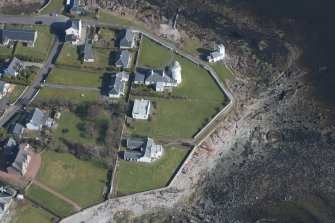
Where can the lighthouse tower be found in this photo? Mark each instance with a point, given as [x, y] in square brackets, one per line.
[176, 72]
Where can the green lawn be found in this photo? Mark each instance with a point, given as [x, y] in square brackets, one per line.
[106, 16]
[5, 52]
[32, 213]
[15, 94]
[54, 6]
[197, 83]
[68, 56]
[75, 78]
[182, 119]
[154, 55]
[42, 46]
[57, 205]
[191, 46]
[107, 35]
[101, 58]
[136, 177]
[222, 71]
[81, 181]
[73, 123]
[47, 94]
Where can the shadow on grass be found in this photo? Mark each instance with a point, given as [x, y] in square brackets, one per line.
[203, 53]
[106, 79]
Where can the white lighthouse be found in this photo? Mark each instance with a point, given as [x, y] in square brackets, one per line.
[176, 72]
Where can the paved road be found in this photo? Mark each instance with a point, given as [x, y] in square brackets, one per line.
[31, 20]
[70, 87]
[33, 88]
[56, 194]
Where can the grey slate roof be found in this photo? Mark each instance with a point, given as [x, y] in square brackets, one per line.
[2, 86]
[128, 154]
[4, 200]
[18, 35]
[139, 77]
[118, 83]
[37, 117]
[15, 129]
[126, 38]
[72, 23]
[75, 7]
[135, 143]
[17, 164]
[88, 52]
[154, 76]
[15, 65]
[122, 58]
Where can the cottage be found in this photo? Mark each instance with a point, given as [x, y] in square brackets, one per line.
[13, 68]
[117, 84]
[25, 36]
[4, 87]
[126, 39]
[5, 201]
[15, 129]
[141, 109]
[76, 8]
[87, 51]
[158, 78]
[73, 31]
[142, 150]
[217, 55]
[123, 59]
[21, 161]
[37, 120]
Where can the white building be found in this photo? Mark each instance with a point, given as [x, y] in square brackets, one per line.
[141, 109]
[73, 31]
[142, 150]
[159, 79]
[176, 72]
[217, 55]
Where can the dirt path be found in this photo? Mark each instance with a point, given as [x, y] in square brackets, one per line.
[55, 193]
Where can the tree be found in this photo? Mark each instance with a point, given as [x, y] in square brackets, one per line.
[88, 129]
[3, 134]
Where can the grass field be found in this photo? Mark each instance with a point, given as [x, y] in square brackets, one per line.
[222, 71]
[182, 119]
[107, 35]
[105, 16]
[101, 58]
[73, 123]
[136, 177]
[57, 205]
[47, 94]
[81, 181]
[154, 55]
[15, 94]
[54, 6]
[42, 46]
[197, 83]
[75, 78]
[32, 213]
[5, 52]
[68, 56]
[191, 46]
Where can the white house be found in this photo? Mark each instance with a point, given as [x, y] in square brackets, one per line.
[37, 119]
[3, 88]
[21, 162]
[118, 84]
[142, 150]
[217, 55]
[73, 31]
[159, 79]
[13, 68]
[141, 109]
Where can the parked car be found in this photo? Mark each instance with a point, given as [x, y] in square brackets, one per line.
[39, 22]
